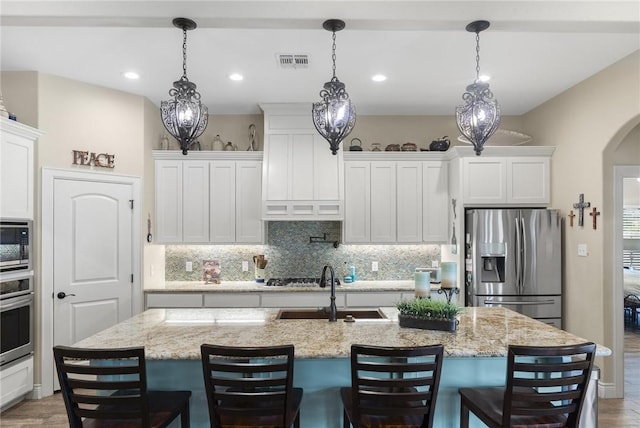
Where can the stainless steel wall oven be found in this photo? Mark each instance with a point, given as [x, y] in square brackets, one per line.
[16, 324]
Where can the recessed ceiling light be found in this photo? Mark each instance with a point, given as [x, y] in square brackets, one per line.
[379, 78]
[236, 77]
[132, 75]
[484, 78]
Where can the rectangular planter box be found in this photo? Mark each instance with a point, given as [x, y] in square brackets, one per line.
[426, 323]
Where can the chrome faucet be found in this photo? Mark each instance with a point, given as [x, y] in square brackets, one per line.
[333, 311]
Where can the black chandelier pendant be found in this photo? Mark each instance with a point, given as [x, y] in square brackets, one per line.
[335, 116]
[479, 118]
[184, 116]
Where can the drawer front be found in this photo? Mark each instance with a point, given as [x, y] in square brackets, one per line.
[300, 300]
[231, 300]
[174, 300]
[374, 299]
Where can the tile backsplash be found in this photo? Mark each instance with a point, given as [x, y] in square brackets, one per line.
[291, 254]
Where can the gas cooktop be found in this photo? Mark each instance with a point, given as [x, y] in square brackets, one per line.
[296, 282]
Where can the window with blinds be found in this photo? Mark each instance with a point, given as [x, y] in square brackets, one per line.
[631, 236]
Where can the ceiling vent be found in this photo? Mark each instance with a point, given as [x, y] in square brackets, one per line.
[293, 60]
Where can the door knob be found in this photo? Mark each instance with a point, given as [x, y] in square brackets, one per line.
[62, 295]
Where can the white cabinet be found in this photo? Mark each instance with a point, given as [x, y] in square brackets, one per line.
[435, 201]
[16, 169]
[506, 176]
[195, 201]
[17, 380]
[212, 197]
[395, 198]
[182, 201]
[357, 199]
[168, 194]
[383, 202]
[302, 180]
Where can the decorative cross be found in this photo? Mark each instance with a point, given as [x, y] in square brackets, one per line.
[581, 205]
[571, 215]
[594, 213]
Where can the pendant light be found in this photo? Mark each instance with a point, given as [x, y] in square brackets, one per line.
[335, 116]
[184, 116]
[479, 117]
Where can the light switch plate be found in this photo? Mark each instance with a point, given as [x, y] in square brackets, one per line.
[245, 266]
[374, 266]
[189, 266]
[582, 250]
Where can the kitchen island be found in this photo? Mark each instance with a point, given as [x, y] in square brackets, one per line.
[475, 354]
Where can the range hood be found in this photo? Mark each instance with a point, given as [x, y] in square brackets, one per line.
[301, 179]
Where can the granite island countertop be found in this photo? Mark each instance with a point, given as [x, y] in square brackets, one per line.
[176, 334]
[252, 286]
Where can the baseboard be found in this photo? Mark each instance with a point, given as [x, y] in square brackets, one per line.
[607, 390]
[36, 394]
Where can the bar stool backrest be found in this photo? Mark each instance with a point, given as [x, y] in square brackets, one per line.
[103, 384]
[538, 376]
[390, 382]
[244, 384]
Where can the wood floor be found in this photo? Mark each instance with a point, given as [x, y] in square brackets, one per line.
[613, 413]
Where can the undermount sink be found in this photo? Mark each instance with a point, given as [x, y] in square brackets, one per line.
[318, 314]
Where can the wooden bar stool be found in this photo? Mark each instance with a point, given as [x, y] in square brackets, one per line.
[108, 388]
[392, 386]
[545, 389]
[251, 387]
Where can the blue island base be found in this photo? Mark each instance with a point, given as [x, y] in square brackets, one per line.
[322, 379]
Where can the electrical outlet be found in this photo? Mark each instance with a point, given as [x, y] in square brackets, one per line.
[245, 266]
[374, 266]
[189, 266]
[582, 250]
[435, 264]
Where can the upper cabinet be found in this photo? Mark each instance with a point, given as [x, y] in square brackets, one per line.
[208, 197]
[301, 179]
[518, 176]
[396, 198]
[17, 176]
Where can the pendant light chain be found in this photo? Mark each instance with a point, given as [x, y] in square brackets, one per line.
[477, 57]
[333, 54]
[184, 53]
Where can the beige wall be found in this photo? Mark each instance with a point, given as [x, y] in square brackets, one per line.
[421, 130]
[582, 122]
[20, 93]
[74, 116]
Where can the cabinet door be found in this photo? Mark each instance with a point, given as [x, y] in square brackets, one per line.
[168, 194]
[301, 167]
[195, 201]
[328, 174]
[409, 202]
[484, 181]
[435, 204]
[383, 202]
[16, 176]
[276, 168]
[357, 213]
[249, 224]
[222, 202]
[528, 180]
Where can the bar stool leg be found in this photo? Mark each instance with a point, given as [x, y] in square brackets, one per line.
[464, 414]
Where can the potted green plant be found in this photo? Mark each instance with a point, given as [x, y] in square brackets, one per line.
[428, 314]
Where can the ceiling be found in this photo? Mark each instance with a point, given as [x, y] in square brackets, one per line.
[533, 50]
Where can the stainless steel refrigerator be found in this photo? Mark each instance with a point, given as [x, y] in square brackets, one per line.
[513, 259]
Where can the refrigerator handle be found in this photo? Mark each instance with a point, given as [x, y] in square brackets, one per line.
[536, 303]
[518, 257]
[523, 253]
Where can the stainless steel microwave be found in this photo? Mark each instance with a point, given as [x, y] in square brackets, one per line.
[15, 245]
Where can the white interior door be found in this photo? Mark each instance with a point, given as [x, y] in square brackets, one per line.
[92, 249]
